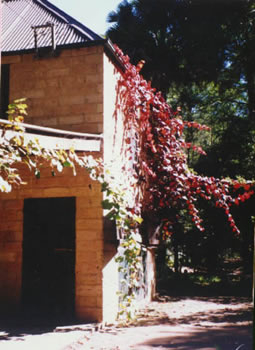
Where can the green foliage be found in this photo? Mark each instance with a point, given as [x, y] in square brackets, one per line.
[15, 149]
[130, 266]
[129, 255]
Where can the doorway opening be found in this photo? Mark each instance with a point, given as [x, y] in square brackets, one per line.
[48, 271]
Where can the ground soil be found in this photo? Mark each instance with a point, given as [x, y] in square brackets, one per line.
[183, 323]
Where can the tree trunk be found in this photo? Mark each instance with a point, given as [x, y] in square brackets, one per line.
[151, 274]
[176, 256]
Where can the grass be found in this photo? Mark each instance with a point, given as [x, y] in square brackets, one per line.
[203, 280]
[204, 284]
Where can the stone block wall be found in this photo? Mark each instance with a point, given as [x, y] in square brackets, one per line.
[89, 238]
[64, 92]
[75, 91]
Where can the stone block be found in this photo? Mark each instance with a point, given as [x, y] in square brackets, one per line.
[58, 72]
[73, 119]
[13, 204]
[86, 301]
[87, 236]
[47, 121]
[90, 213]
[88, 291]
[95, 247]
[100, 108]
[72, 100]
[10, 59]
[91, 50]
[87, 278]
[10, 225]
[12, 247]
[88, 314]
[12, 215]
[8, 257]
[95, 79]
[89, 257]
[56, 181]
[99, 301]
[66, 53]
[94, 98]
[91, 128]
[83, 202]
[35, 93]
[83, 269]
[93, 118]
[87, 224]
[57, 192]
[11, 236]
[53, 83]
[28, 58]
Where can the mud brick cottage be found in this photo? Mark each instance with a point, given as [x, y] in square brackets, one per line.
[56, 250]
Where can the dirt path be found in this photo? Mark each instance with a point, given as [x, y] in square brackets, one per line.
[222, 323]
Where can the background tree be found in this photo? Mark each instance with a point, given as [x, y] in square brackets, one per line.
[181, 41]
[200, 54]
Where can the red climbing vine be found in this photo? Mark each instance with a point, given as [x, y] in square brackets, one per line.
[166, 183]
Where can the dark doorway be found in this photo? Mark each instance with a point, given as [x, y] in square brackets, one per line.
[48, 280]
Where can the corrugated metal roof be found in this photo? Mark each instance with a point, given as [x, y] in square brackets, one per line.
[19, 16]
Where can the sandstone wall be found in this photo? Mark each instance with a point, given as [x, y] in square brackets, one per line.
[75, 91]
[63, 92]
[89, 237]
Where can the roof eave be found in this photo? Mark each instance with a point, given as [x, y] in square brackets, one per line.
[109, 49]
[106, 43]
[59, 47]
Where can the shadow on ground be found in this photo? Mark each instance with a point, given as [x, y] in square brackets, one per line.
[183, 323]
[192, 312]
[211, 323]
[186, 311]
[229, 338]
[20, 326]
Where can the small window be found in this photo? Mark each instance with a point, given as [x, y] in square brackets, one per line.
[5, 84]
